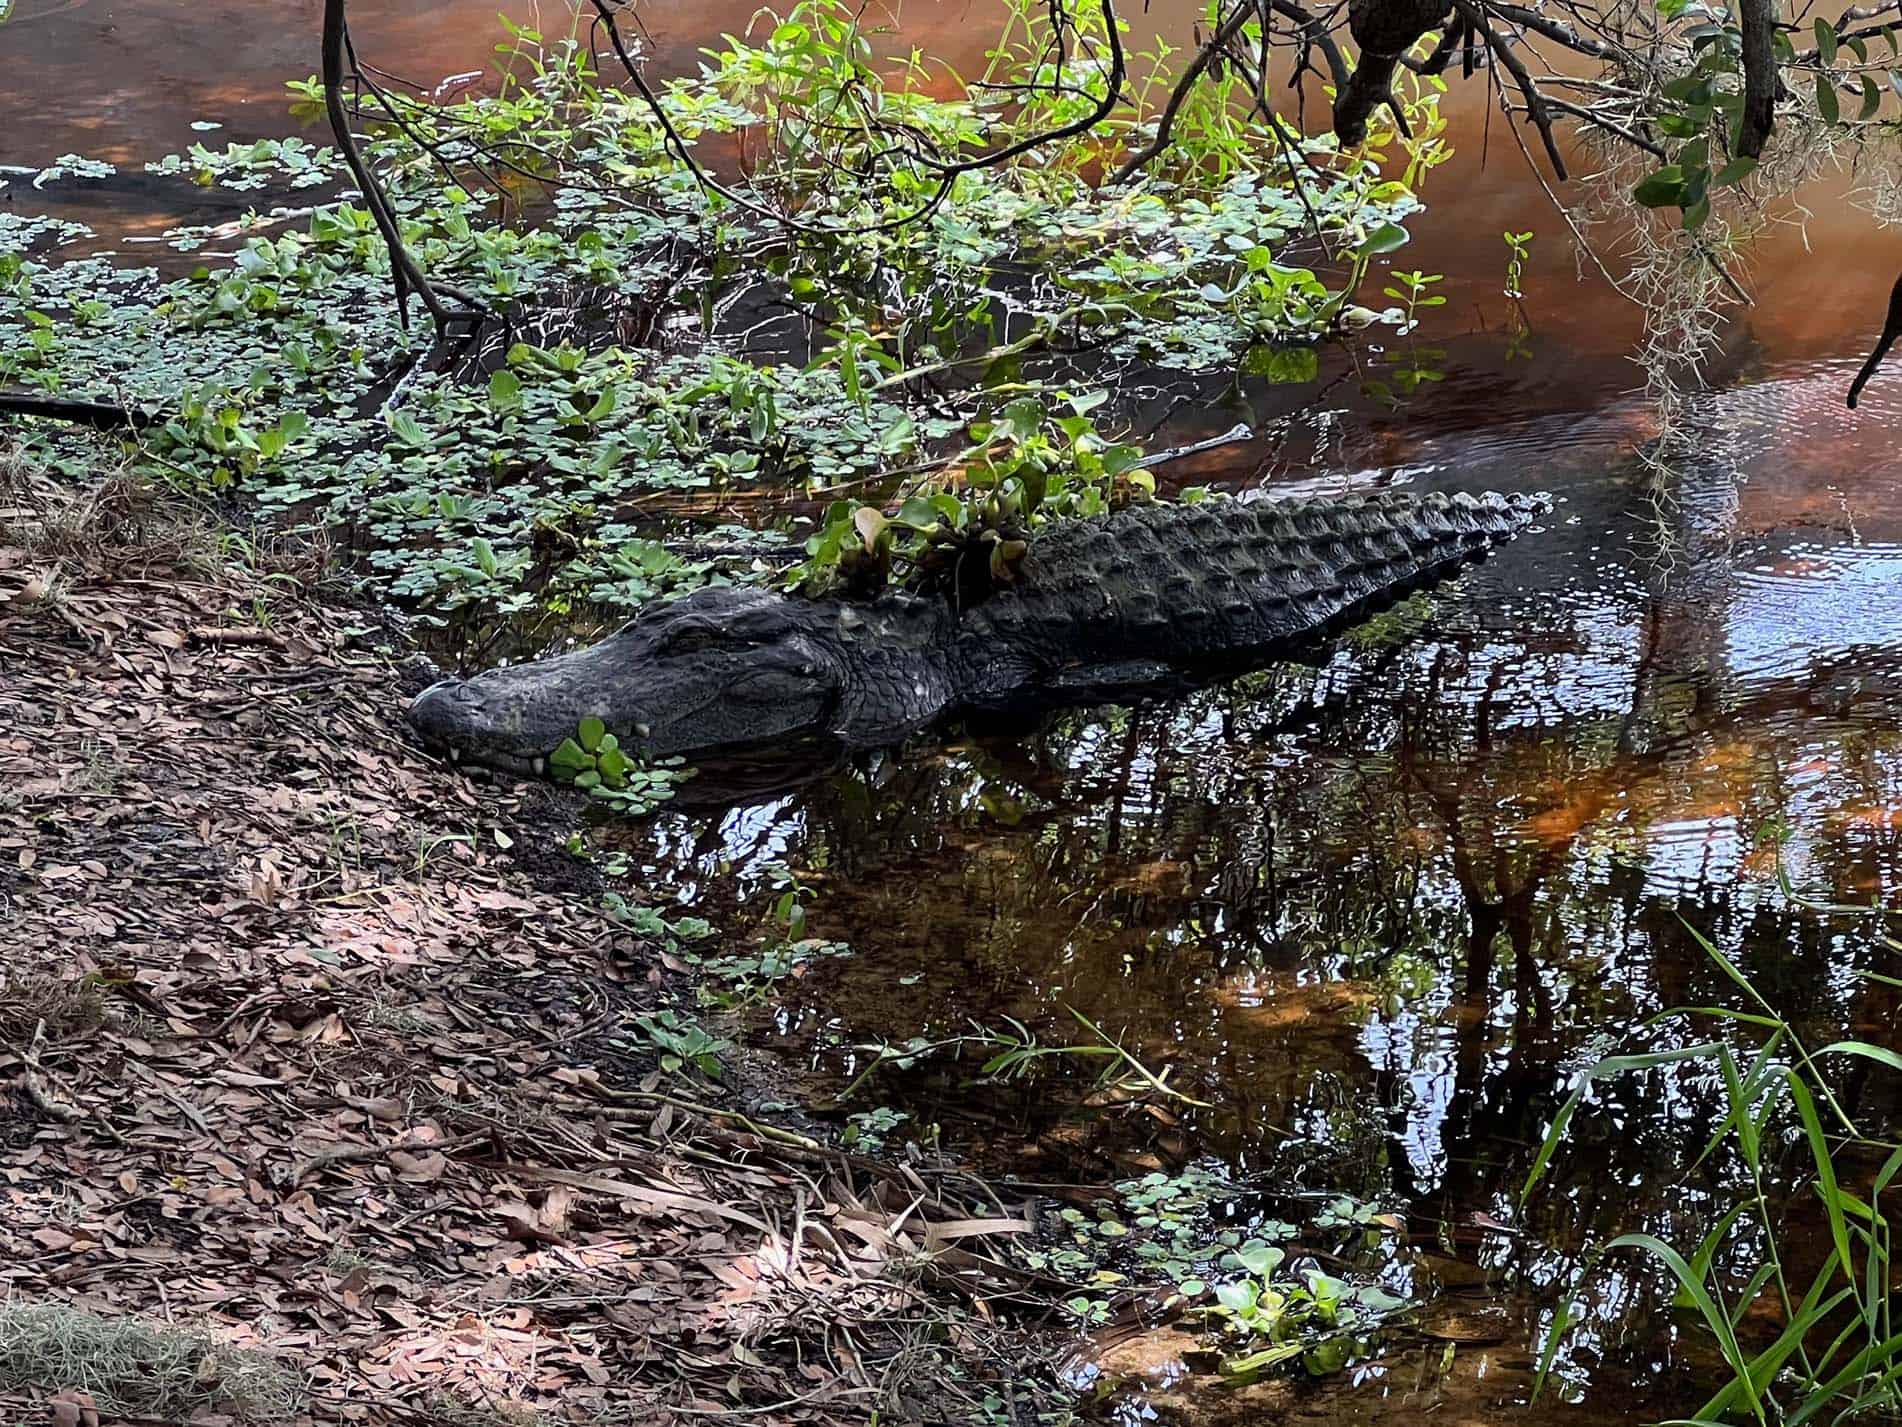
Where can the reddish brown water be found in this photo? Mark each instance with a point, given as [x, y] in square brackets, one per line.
[1386, 910]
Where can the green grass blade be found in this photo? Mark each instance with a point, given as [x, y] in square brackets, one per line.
[1604, 1069]
[1879, 1054]
[1825, 1178]
[1713, 1314]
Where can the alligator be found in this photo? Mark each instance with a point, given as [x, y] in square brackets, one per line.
[1147, 599]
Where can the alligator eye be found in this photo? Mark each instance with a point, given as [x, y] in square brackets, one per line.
[808, 669]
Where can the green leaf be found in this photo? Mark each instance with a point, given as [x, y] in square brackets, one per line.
[1254, 1363]
[407, 430]
[1879, 1054]
[591, 732]
[1260, 1259]
[505, 390]
[1695, 199]
[1326, 1358]
[569, 758]
[1826, 1185]
[1611, 1065]
[1736, 171]
[918, 513]
[1871, 98]
[1714, 1317]
[613, 765]
[1827, 101]
[1661, 189]
[1387, 238]
[1236, 1297]
[1826, 40]
[1286, 365]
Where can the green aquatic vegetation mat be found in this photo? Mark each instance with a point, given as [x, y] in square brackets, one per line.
[1253, 1282]
[662, 356]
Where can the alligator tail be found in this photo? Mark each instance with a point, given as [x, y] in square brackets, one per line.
[1357, 557]
[1233, 580]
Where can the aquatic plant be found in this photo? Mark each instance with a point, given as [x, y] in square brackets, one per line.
[1836, 1352]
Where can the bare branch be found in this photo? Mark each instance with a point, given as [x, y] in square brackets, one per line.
[1555, 30]
[405, 274]
[1891, 329]
[1315, 34]
[100, 415]
[1760, 77]
[1227, 31]
[1385, 30]
[606, 15]
[1597, 120]
[1536, 108]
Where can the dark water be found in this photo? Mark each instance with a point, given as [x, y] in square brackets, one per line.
[1379, 913]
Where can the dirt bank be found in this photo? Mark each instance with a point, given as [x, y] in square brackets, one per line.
[314, 1047]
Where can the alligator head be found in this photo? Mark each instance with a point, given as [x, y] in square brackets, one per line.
[720, 669]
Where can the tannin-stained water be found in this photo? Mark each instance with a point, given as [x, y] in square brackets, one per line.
[1379, 913]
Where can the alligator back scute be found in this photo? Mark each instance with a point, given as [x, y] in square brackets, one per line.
[1193, 585]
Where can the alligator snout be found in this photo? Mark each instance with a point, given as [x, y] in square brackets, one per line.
[446, 705]
[458, 718]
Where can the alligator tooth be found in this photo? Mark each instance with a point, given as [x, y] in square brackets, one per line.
[641, 730]
[455, 755]
[539, 765]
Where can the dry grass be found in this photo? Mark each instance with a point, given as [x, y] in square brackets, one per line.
[66, 1006]
[140, 527]
[459, 1412]
[139, 1369]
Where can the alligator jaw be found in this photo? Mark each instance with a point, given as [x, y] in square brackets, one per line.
[454, 718]
[719, 668]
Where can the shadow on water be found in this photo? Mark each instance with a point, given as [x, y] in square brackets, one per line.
[1378, 913]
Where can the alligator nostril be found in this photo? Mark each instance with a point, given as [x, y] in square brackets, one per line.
[439, 710]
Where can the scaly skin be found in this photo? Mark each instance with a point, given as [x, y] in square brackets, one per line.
[1145, 599]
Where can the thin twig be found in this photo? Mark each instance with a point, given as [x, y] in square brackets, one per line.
[358, 1154]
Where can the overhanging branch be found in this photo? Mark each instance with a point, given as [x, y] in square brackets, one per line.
[405, 274]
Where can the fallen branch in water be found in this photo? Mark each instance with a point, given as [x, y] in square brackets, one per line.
[1891, 329]
[100, 415]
